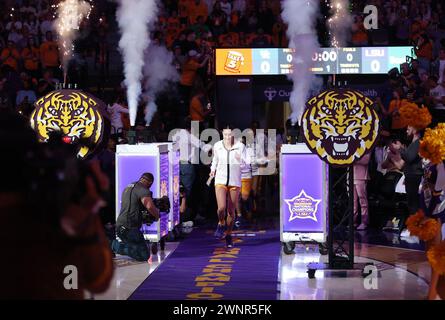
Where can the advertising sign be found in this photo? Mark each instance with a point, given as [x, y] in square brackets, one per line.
[235, 62]
[282, 92]
[272, 93]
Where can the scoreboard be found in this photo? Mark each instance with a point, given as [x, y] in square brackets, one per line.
[280, 61]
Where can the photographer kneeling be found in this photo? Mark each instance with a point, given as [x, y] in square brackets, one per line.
[136, 199]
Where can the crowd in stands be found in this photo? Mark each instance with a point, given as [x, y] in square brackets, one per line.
[192, 29]
[30, 53]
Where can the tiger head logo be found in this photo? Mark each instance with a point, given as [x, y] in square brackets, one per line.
[74, 114]
[340, 126]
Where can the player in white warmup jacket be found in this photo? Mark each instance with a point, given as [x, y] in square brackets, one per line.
[228, 156]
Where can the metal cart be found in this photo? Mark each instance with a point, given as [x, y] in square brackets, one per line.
[131, 162]
[303, 198]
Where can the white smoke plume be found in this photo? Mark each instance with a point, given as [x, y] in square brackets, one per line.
[316, 86]
[158, 71]
[339, 23]
[300, 16]
[150, 110]
[134, 18]
[70, 14]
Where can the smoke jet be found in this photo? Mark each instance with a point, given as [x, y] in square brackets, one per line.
[158, 72]
[134, 18]
[300, 16]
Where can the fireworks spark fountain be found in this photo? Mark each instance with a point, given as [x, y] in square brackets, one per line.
[300, 16]
[70, 14]
[134, 17]
[339, 23]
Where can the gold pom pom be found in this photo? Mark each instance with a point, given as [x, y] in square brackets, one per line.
[432, 146]
[412, 115]
[423, 228]
[436, 257]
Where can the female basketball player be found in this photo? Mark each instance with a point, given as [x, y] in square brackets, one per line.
[226, 169]
[243, 205]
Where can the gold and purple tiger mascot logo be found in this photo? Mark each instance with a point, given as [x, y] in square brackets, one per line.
[340, 126]
[73, 113]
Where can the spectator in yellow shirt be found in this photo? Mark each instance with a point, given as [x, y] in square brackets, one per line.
[198, 105]
[190, 68]
[49, 53]
[10, 56]
[197, 8]
[31, 57]
[188, 77]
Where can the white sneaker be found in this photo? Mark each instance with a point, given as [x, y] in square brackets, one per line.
[186, 230]
[405, 233]
[187, 224]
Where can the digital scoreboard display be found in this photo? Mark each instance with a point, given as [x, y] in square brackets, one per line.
[285, 58]
[279, 61]
[350, 61]
[325, 61]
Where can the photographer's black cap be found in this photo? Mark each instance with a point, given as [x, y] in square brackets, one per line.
[147, 176]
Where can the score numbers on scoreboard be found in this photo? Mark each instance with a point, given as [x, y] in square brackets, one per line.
[280, 61]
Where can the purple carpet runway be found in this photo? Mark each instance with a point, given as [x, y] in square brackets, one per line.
[201, 268]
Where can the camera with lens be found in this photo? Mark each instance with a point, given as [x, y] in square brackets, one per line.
[163, 204]
[147, 218]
